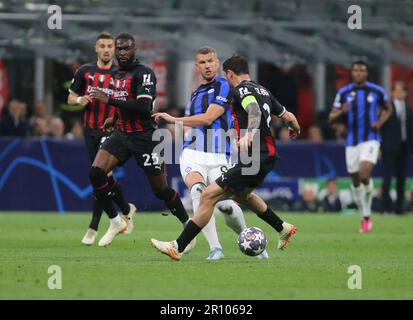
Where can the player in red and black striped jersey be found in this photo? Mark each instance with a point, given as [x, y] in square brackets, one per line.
[253, 106]
[87, 78]
[133, 96]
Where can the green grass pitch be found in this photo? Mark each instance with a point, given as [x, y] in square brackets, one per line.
[314, 266]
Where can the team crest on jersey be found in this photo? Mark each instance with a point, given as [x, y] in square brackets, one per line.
[370, 98]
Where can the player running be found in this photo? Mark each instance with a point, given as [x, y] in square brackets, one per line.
[367, 108]
[133, 97]
[253, 106]
[206, 147]
[87, 78]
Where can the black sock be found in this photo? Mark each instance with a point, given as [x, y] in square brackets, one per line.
[96, 215]
[101, 190]
[191, 230]
[174, 203]
[272, 219]
[117, 195]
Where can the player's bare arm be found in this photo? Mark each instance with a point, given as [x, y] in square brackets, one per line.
[384, 116]
[142, 106]
[74, 99]
[335, 113]
[109, 123]
[254, 121]
[291, 122]
[214, 111]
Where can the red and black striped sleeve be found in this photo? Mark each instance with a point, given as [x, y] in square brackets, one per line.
[78, 82]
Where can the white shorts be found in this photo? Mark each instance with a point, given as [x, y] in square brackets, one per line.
[210, 165]
[365, 151]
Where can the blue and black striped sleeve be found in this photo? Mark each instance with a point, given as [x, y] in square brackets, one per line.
[384, 99]
[222, 94]
[339, 99]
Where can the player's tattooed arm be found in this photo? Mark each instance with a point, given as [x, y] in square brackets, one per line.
[254, 121]
[254, 116]
[291, 122]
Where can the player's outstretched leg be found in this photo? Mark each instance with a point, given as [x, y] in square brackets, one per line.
[101, 191]
[174, 249]
[210, 230]
[128, 209]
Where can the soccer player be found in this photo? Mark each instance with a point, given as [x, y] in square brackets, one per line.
[253, 106]
[204, 157]
[87, 78]
[366, 107]
[133, 97]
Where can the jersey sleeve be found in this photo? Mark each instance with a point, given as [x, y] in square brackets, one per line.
[338, 100]
[146, 85]
[78, 82]
[277, 108]
[222, 94]
[244, 96]
[383, 97]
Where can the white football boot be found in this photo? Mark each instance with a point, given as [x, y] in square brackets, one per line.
[263, 255]
[112, 232]
[129, 218]
[216, 254]
[169, 248]
[285, 235]
[90, 237]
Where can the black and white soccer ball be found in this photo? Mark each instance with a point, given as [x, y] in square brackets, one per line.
[252, 241]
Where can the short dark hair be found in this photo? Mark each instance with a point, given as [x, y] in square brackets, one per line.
[359, 62]
[206, 50]
[237, 63]
[125, 36]
[104, 35]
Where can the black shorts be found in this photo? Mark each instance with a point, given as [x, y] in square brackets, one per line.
[124, 146]
[94, 140]
[236, 181]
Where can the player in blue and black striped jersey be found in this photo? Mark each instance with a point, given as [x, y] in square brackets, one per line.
[207, 144]
[366, 107]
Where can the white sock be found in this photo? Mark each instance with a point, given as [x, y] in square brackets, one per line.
[116, 221]
[368, 197]
[234, 218]
[210, 230]
[359, 195]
